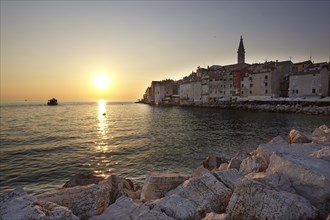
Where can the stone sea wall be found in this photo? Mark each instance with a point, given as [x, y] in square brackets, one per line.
[304, 107]
[287, 178]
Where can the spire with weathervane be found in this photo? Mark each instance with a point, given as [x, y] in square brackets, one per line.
[241, 52]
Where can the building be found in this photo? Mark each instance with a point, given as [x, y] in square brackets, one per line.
[310, 83]
[261, 80]
[241, 52]
[190, 93]
[300, 67]
[284, 69]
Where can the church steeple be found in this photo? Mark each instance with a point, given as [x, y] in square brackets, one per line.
[241, 52]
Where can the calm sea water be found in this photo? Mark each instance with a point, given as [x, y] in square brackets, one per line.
[42, 146]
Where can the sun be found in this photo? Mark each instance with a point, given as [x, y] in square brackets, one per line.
[102, 81]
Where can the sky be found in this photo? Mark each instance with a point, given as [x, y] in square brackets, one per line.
[59, 48]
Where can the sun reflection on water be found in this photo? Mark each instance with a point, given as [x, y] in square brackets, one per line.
[102, 145]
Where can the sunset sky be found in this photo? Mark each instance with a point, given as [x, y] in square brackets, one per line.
[59, 48]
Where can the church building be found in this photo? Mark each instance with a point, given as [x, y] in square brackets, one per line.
[241, 52]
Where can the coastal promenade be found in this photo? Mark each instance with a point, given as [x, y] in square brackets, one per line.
[286, 178]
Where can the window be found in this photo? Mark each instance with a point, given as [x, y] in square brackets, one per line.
[313, 91]
[251, 85]
[266, 91]
[266, 77]
[242, 92]
[231, 85]
[250, 78]
[230, 78]
[266, 84]
[296, 91]
[293, 91]
[250, 92]
[242, 79]
[242, 85]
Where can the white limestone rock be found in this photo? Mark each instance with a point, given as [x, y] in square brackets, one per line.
[266, 150]
[215, 216]
[177, 207]
[213, 162]
[83, 179]
[254, 200]
[123, 209]
[223, 166]
[277, 140]
[207, 192]
[157, 184]
[310, 177]
[199, 171]
[17, 204]
[276, 180]
[230, 178]
[122, 187]
[253, 164]
[236, 161]
[84, 201]
[155, 215]
[296, 136]
[323, 154]
[321, 134]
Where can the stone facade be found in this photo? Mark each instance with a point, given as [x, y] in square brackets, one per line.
[311, 83]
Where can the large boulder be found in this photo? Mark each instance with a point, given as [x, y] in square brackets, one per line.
[207, 192]
[213, 162]
[158, 184]
[306, 149]
[122, 187]
[321, 134]
[310, 177]
[236, 161]
[323, 154]
[123, 209]
[84, 201]
[177, 207]
[253, 164]
[276, 180]
[215, 216]
[83, 179]
[254, 200]
[199, 171]
[296, 136]
[230, 178]
[18, 205]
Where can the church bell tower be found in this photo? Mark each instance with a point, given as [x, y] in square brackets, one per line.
[241, 52]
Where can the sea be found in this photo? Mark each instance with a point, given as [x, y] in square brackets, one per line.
[42, 146]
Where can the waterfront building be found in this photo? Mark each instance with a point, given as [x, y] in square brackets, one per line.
[261, 80]
[310, 83]
[284, 69]
[190, 92]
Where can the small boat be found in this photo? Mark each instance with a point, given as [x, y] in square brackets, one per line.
[52, 101]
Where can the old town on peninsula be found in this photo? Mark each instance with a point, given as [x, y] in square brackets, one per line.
[269, 81]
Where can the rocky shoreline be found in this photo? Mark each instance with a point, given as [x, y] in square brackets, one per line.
[283, 179]
[303, 107]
